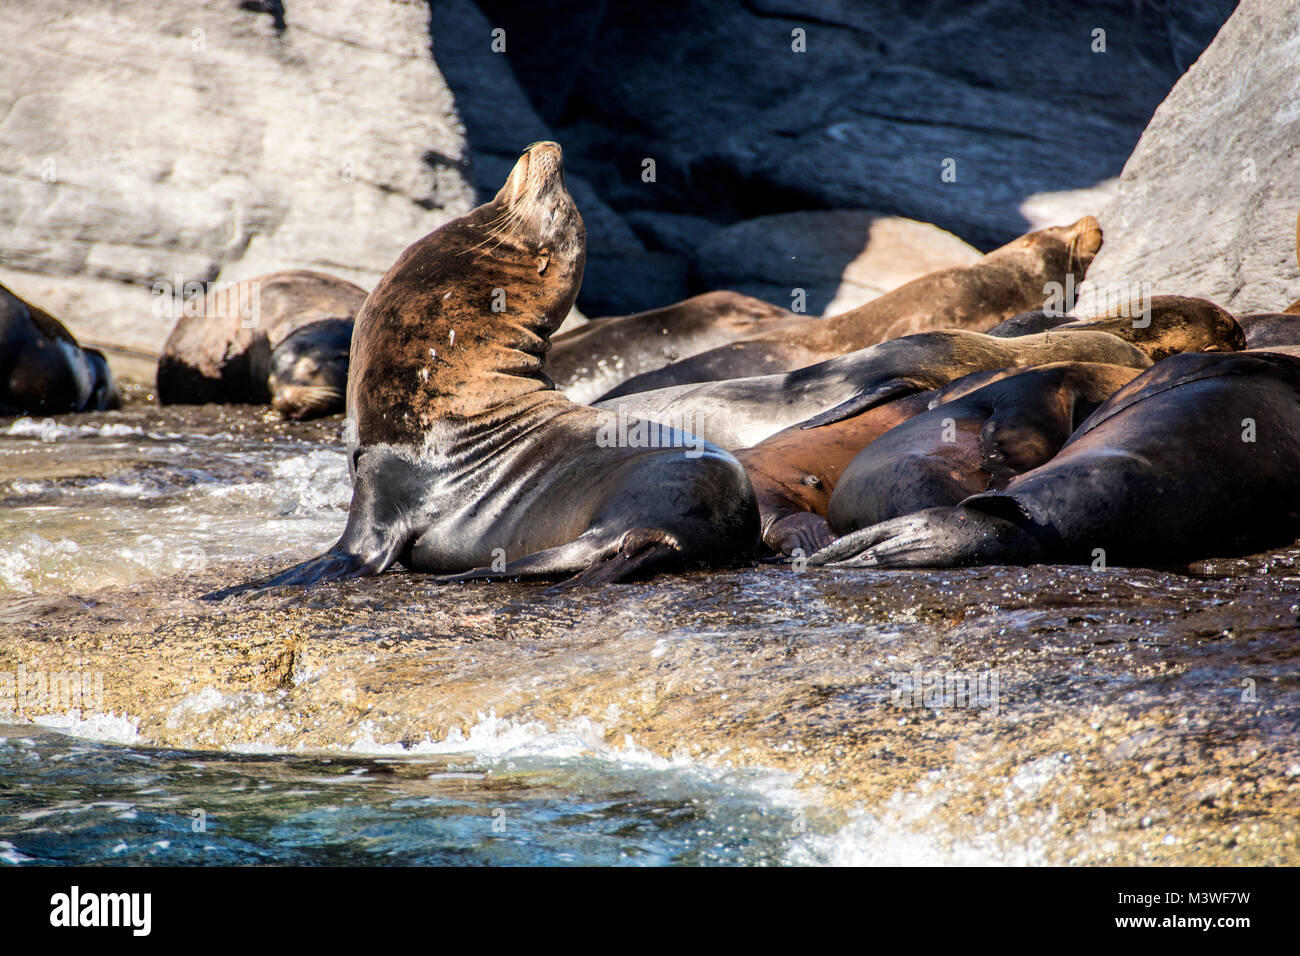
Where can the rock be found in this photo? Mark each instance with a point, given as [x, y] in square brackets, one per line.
[500, 121]
[217, 142]
[741, 125]
[1207, 202]
[840, 258]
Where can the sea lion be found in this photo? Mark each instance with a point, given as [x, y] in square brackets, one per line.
[971, 444]
[589, 361]
[795, 471]
[1007, 281]
[42, 368]
[223, 348]
[1265, 329]
[1169, 325]
[466, 458]
[308, 374]
[743, 412]
[1199, 456]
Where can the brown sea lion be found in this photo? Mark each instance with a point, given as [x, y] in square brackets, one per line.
[971, 444]
[1168, 325]
[466, 458]
[1197, 457]
[589, 361]
[742, 412]
[223, 348]
[1007, 281]
[42, 368]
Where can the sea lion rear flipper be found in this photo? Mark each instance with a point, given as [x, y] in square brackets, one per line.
[632, 551]
[1019, 436]
[867, 399]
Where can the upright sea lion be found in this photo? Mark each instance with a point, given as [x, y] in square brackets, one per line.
[743, 412]
[589, 361]
[1197, 457]
[974, 443]
[1007, 281]
[466, 458]
[223, 348]
[42, 368]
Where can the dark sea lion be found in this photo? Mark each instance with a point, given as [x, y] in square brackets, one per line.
[309, 369]
[589, 361]
[1007, 281]
[740, 413]
[1197, 457]
[1030, 323]
[971, 444]
[1265, 329]
[795, 471]
[466, 458]
[222, 349]
[42, 368]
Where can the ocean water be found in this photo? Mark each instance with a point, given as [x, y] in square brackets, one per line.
[68, 800]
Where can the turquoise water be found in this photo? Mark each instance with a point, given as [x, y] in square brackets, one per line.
[65, 800]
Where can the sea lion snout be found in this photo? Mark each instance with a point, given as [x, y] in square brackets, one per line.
[541, 211]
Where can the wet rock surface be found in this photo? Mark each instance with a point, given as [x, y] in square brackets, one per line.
[1142, 716]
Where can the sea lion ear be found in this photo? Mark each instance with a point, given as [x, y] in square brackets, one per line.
[543, 260]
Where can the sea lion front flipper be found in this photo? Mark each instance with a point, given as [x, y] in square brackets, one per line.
[334, 565]
[933, 538]
[800, 530]
[867, 399]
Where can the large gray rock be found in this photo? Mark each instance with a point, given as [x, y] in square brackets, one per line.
[840, 258]
[1207, 203]
[142, 140]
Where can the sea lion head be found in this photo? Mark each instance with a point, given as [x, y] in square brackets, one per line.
[538, 223]
[309, 369]
[1168, 324]
[1058, 249]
